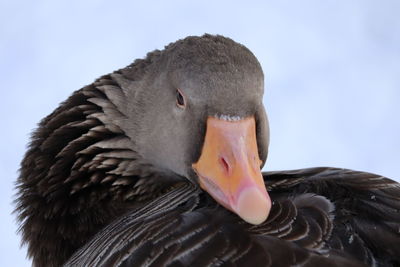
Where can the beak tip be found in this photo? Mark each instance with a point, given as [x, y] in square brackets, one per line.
[253, 206]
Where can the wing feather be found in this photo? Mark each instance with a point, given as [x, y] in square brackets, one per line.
[320, 216]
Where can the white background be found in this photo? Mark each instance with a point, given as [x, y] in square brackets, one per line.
[332, 73]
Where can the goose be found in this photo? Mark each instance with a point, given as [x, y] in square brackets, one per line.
[159, 164]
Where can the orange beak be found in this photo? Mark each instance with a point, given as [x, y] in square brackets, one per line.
[229, 168]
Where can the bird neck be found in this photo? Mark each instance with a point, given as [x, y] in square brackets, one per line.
[79, 173]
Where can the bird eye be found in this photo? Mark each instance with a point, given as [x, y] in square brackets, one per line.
[180, 99]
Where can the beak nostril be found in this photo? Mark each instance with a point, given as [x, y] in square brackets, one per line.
[224, 164]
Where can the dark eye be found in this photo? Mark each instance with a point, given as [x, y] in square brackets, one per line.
[180, 99]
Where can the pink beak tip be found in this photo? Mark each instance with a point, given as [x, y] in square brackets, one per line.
[253, 206]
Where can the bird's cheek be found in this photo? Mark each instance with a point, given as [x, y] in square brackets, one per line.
[229, 168]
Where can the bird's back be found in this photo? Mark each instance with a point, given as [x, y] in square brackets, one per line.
[320, 216]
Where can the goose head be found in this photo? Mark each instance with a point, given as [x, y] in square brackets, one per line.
[198, 113]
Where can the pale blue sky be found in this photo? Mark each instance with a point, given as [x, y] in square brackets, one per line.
[332, 73]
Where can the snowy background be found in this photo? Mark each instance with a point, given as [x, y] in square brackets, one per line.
[332, 73]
